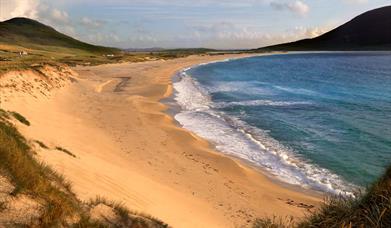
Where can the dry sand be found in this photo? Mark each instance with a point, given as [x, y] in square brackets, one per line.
[127, 149]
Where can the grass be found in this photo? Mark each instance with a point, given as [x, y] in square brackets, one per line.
[52, 55]
[275, 222]
[41, 144]
[371, 209]
[59, 205]
[20, 118]
[46, 46]
[33, 178]
[65, 151]
[127, 218]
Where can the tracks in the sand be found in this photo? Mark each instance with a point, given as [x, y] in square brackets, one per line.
[124, 81]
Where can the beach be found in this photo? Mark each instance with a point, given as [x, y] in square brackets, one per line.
[128, 149]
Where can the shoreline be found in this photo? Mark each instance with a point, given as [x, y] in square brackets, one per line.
[129, 150]
[174, 108]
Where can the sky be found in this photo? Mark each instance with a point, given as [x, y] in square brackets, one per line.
[219, 24]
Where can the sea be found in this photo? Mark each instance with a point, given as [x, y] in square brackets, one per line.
[321, 121]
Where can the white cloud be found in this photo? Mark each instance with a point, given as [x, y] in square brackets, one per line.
[59, 15]
[226, 35]
[310, 32]
[297, 7]
[356, 1]
[108, 38]
[18, 8]
[91, 23]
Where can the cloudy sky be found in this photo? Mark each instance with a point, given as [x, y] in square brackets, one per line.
[189, 23]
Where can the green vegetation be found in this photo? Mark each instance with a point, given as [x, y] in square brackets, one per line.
[20, 118]
[65, 151]
[126, 218]
[25, 43]
[33, 178]
[59, 207]
[274, 222]
[372, 209]
[41, 144]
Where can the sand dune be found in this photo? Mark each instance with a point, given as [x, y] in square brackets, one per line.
[127, 149]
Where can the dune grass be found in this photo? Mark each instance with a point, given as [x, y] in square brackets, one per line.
[20, 118]
[59, 205]
[127, 218]
[33, 178]
[65, 151]
[274, 222]
[371, 209]
[41, 144]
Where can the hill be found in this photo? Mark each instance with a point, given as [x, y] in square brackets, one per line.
[33, 34]
[368, 31]
[25, 43]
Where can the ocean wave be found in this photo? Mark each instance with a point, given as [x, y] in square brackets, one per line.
[232, 136]
[259, 103]
[248, 87]
[296, 90]
[189, 95]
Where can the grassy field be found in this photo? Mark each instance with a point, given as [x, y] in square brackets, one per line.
[10, 59]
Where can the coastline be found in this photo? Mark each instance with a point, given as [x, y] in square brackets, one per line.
[174, 108]
[128, 149]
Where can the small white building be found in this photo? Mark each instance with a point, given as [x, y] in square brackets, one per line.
[21, 53]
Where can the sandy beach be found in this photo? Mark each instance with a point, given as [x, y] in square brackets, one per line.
[128, 149]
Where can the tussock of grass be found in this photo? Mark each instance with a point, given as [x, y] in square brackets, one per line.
[41, 144]
[66, 151]
[85, 221]
[372, 209]
[274, 222]
[20, 118]
[3, 114]
[127, 218]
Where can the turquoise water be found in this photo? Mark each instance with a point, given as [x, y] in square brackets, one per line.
[322, 121]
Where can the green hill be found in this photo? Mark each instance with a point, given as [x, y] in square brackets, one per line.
[25, 43]
[32, 34]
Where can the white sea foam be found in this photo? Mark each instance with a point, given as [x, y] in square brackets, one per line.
[189, 96]
[248, 87]
[259, 103]
[235, 137]
[295, 90]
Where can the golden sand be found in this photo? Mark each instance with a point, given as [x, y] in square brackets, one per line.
[129, 150]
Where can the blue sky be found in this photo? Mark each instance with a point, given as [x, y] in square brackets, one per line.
[225, 24]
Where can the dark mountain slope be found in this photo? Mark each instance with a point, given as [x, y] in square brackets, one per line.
[27, 33]
[368, 31]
